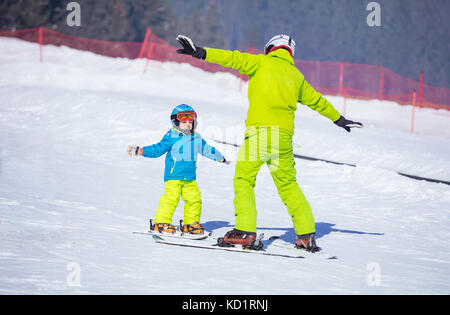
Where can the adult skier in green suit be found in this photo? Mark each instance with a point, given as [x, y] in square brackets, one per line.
[274, 88]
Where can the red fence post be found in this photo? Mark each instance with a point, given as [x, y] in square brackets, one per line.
[341, 79]
[144, 44]
[421, 89]
[149, 56]
[40, 43]
[345, 102]
[414, 107]
[381, 83]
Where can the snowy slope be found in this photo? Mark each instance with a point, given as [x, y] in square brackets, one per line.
[70, 196]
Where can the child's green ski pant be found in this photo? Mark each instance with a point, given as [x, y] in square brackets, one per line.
[189, 191]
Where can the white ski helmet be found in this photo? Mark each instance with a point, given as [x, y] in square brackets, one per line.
[280, 41]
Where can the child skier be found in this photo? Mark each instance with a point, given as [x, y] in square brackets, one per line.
[182, 144]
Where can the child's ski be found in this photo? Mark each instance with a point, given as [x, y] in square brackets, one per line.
[177, 234]
[213, 245]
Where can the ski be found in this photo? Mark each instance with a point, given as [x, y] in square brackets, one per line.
[177, 234]
[276, 241]
[211, 245]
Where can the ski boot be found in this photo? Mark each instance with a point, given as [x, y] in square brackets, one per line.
[247, 240]
[307, 242]
[165, 228]
[194, 228]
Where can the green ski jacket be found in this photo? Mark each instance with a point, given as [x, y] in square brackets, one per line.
[274, 88]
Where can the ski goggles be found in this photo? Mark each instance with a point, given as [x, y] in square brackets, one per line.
[186, 116]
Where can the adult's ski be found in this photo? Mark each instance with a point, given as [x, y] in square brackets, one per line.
[212, 245]
[276, 241]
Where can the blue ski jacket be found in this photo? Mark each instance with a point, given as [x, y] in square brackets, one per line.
[182, 150]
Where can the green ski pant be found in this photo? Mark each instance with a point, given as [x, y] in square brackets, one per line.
[271, 146]
[189, 191]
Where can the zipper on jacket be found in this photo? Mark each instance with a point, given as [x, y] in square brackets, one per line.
[173, 166]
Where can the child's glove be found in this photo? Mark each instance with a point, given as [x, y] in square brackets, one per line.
[225, 161]
[135, 150]
[347, 124]
[189, 48]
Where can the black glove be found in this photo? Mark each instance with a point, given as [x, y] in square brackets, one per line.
[347, 124]
[189, 48]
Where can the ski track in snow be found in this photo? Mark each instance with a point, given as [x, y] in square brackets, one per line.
[71, 196]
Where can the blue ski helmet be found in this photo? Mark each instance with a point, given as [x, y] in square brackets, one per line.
[181, 109]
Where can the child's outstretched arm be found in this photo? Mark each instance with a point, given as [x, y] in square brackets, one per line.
[152, 151]
[212, 153]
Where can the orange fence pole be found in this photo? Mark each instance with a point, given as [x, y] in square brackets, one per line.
[421, 89]
[149, 56]
[345, 101]
[381, 83]
[40, 44]
[341, 78]
[414, 107]
[144, 44]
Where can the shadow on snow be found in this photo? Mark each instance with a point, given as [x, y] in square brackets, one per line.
[322, 229]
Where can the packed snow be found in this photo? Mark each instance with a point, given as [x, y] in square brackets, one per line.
[70, 196]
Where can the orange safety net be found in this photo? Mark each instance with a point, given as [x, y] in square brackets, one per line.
[330, 78]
